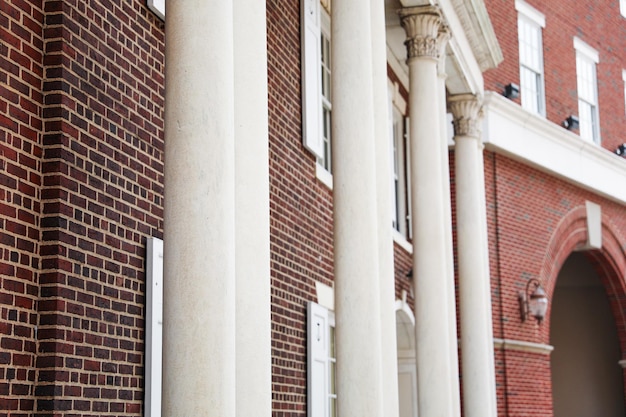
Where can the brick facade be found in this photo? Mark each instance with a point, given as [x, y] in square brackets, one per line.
[600, 25]
[300, 214]
[536, 220]
[82, 184]
[81, 187]
[21, 107]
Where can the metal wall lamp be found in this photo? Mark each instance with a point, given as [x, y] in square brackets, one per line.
[571, 123]
[533, 304]
[511, 91]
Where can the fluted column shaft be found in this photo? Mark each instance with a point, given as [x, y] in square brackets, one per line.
[474, 284]
[430, 270]
[199, 247]
[357, 297]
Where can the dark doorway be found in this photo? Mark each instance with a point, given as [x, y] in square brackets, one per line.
[586, 375]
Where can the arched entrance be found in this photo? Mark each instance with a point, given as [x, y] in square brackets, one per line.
[407, 371]
[587, 379]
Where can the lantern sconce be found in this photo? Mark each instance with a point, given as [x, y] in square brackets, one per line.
[571, 123]
[511, 91]
[533, 304]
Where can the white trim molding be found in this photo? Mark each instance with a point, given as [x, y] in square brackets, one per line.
[624, 79]
[529, 138]
[582, 47]
[403, 305]
[402, 241]
[157, 7]
[522, 346]
[594, 225]
[325, 295]
[530, 12]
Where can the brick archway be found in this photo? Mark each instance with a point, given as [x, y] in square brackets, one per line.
[609, 262]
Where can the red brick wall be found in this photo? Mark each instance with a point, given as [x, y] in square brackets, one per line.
[599, 24]
[81, 188]
[101, 197]
[529, 232]
[21, 104]
[535, 221]
[81, 173]
[300, 214]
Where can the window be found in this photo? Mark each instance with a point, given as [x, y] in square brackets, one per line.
[154, 327]
[401, 219]
[622, 7]
[530, 23]
[326, 102]
[624, 79]
[316, 83]
[322, 390]
[586, 60]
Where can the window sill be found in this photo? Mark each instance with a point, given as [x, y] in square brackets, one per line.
[402, 241]
[324, 176]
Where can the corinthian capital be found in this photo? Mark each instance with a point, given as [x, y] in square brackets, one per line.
[466, 110]
[421, 25]
[443, 37]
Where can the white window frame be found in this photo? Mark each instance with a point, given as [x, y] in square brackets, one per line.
[622, 7]
[157, 7]
[587, 59]
[324, 162]
[315, 126]
[321, 362]
[400, 173]
[530, 24]
[154, 327]
[624, 79]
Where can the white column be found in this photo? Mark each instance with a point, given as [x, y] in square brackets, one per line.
[385, 238]
[357, 297]
[474, 284]
[487, 288]
[430, 269]
[252, 241]
[444, 36]
[199, 279]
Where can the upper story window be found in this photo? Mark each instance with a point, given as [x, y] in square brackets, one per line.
[530, 23]
[624, 79]
[622, 7]
[400, 181]
[587, 86]
[316, 86]
[325, 97]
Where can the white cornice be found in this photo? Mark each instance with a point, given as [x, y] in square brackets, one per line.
[477, 25]
[512, 131]
[522, 346]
